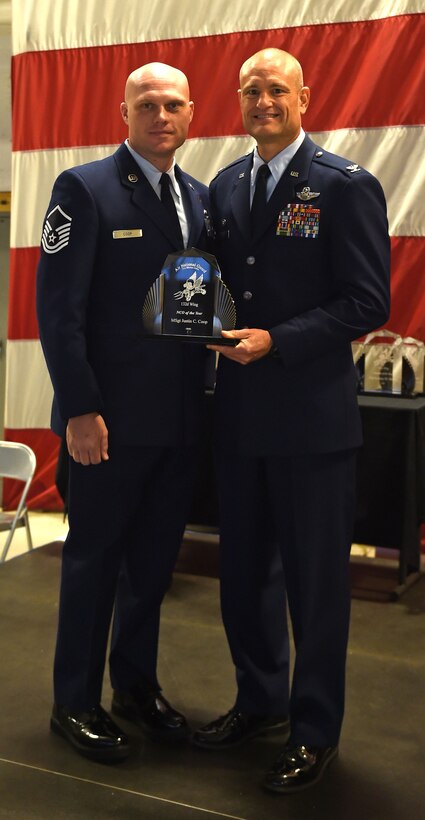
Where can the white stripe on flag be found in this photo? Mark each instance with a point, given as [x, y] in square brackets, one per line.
[29, 390]
[48, 24]
[395, 155]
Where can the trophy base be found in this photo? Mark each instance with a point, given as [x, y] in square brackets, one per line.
[204, 340]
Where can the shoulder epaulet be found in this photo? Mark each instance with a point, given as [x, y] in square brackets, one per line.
[231, 164]
[342, 164]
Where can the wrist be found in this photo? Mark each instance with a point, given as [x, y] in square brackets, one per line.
[274, 350]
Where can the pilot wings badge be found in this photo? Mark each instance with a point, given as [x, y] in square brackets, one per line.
[306, 194]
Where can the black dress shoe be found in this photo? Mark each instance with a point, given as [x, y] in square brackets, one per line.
[298, 767]
[236, 727]
[151, 713]
[93, 733]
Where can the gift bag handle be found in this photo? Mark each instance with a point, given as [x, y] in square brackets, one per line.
[409, 340]
[377, 333]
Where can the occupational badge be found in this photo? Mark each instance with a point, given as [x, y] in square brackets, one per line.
[307, 194]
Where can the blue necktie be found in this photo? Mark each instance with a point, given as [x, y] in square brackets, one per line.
[168, 202]
[259, 200]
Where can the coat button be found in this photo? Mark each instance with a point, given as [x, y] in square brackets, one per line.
[250, 260]
[247, 295]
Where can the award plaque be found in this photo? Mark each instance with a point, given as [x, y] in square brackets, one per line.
[189, 301]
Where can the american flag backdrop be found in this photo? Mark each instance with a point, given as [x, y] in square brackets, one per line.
[363, 60]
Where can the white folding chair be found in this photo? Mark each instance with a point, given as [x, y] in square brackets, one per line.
[16, 461]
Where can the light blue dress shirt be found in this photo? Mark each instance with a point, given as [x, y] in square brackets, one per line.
[277, 165]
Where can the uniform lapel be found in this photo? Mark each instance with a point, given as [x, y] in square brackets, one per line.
[142, 193]
[240, 196]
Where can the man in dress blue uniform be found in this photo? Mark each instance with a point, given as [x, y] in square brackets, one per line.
[308, 268]
[131, 408]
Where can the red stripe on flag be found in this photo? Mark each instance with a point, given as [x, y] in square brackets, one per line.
[407, 314]
[354, 69]
[43, 494]
[408, 292]
[22, 316]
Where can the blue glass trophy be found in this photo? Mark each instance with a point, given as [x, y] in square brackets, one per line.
[189, 301]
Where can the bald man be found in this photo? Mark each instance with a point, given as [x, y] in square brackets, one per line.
[131, 410]
[303, 245]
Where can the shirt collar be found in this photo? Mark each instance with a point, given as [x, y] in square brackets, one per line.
[280, 162]
[151, 173]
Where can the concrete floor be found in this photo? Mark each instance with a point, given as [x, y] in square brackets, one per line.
[379, 772]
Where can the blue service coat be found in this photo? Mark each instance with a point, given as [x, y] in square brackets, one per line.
[317, 279]
[90, 293]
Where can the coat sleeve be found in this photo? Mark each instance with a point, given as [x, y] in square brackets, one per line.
[64, 277]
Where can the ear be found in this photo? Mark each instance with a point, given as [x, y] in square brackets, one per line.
[192, 109]
[124, 111]
[304, 98]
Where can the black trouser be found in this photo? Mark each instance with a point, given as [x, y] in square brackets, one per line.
[127, 517]
[286, 527]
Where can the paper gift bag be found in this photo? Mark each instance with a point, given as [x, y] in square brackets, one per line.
[383, 363]
[413, 377]
[358, 352]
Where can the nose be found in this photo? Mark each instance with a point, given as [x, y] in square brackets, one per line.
[264, 99]
[161, 113]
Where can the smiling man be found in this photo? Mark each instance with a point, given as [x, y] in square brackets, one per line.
[272, 98]
[132, 411]
[302, 242]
